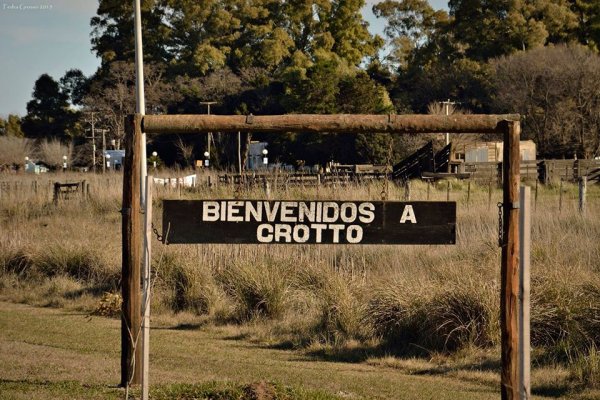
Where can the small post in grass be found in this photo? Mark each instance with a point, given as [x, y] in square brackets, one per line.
[560, 196]
[489, 195]
[582, 193]
[468, 193]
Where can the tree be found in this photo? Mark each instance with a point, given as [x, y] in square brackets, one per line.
[74, 85]
[588, 18]
[13, 151]
[112, 95]
[48, 113]
[411, 26]
[112, 31]
[52, 151]
[557, 89]
[11, 126]
[484, 29]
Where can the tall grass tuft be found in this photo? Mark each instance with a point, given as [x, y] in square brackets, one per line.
[342, 311]
[585, 369]
[434, 317]
[80, 263]
[258, 290]
[190, 287]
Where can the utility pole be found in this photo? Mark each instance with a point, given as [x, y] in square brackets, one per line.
[93, 123]
[103, 131]
[209, 134]
[93, 145]
[446, 105]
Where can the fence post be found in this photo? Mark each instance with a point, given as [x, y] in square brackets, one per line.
[448, 191]
[428, 188]
[266, 187]
[560, 195]
[489, 195]
[536, 195]
[582, 194]
[56, 193]
[509, 321]
[131, 360]
[468, 192]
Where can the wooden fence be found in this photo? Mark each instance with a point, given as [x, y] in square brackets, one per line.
[546, 171]
[304, 179]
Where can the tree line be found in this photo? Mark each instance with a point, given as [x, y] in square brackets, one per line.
[538, 58]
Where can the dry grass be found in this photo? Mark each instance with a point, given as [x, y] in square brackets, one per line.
[339, 300]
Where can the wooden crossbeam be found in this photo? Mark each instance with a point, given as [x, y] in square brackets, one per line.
[338, 123]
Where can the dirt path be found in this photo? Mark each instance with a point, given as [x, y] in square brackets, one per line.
[48, 346]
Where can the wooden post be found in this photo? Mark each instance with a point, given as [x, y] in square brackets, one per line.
[147, 286]
[267, 187]
[132, 257]
[489, 194]
[407, 190]
[428, 188]
[524, 304]
[56, 192]
[239, 152]
[448, 191]
[509, 322]
[582, 193]
[468, 193]
[560, 193]
[536, 194]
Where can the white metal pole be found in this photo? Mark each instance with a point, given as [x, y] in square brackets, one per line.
[93, 144]
[145, 205]
[147, 289]
[447, 104]
[524, 292]
[139, 93]
[582, 194]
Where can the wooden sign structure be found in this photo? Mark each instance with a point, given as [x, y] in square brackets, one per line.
[308, 222]
[507, 125]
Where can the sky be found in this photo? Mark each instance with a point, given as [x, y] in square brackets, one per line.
[53, 36]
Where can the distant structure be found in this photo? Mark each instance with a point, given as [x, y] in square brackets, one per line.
[116, 158]
[255, 156]
[491, 152]
[35, 168]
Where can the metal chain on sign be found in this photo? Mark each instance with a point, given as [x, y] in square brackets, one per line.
[159, 237]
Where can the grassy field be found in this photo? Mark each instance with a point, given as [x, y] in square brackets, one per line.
[49, 353]
[408, 318]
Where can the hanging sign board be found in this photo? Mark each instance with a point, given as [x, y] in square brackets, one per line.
[309, 222]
